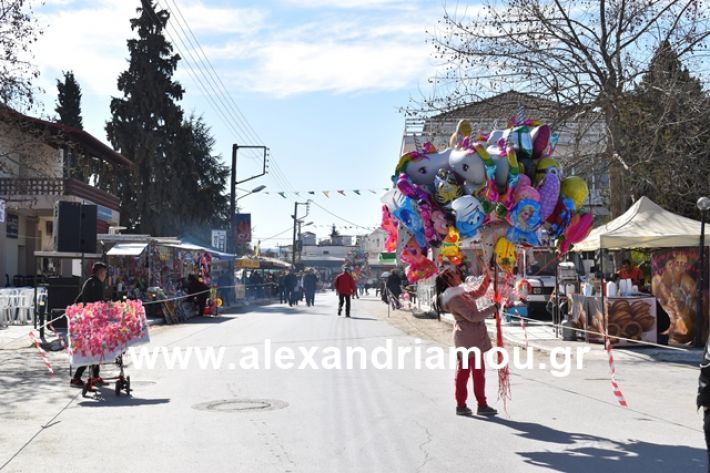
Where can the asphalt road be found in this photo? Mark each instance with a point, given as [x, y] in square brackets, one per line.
[355, 420]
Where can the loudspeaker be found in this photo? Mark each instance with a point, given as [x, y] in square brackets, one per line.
[74, 227]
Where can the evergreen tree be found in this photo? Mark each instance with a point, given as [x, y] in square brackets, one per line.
[145, 125]
[666, 123]
[69, 101]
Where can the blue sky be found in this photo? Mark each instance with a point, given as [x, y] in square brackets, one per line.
[320, 81]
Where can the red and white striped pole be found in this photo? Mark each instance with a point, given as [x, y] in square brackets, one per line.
[614, 385]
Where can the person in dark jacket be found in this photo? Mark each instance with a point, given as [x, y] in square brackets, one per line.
[703, 399]
[91, 291]
[394, 287]
[290, 283]
[199, 290]
[310, 282]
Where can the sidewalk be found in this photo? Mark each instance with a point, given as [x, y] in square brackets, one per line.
[541, 337]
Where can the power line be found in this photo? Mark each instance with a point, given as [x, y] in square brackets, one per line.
[217, 81]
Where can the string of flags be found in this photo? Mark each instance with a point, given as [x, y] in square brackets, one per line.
[327, 193]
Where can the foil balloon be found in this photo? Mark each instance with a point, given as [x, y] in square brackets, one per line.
[468, 165]
[463, 131]
[422, 168]
[505, 255]
[544, 167]
[408, 215]
[519, 137]
[389, 226]
[446, 187]
[525, 220]
[577, 230]
[575, 188]
[561, 217]
[441, 222]
[489, 237]
[523, 191]
[419, 266]
[548, 182]
[469, 215]
[449, 251]
[423, 201]
[540, 140]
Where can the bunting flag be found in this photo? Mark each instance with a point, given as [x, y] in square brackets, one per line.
[327, 193]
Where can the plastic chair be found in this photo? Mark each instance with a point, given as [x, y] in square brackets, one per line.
[25, 305]
[5, 305]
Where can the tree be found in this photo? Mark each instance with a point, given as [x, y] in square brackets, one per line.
[69, 101]
[199, 180]
[18, 31]
[665, 147]
[145, 124]
[584, 54]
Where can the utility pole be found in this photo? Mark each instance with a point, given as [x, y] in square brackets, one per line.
[232, 243]
[296, 227]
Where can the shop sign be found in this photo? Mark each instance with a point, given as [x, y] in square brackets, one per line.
[242, 228]
[219, 239]
[247, 264]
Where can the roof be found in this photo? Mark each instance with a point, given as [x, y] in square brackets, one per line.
[127, 249]
[644, 225]
[501, 106]
[60, 133]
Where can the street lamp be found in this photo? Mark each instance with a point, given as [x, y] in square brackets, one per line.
[253, 191]
[703, 205]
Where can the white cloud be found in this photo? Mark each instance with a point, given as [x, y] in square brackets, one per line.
[350, 3]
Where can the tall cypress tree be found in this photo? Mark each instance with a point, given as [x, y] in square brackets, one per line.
[69, 101]
[145, 124]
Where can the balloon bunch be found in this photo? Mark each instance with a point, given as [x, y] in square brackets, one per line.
[504, 189]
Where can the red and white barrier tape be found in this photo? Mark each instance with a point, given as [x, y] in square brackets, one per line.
[525, 331]
[614, 385]
[42, 353]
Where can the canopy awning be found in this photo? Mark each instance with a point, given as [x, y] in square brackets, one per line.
[644, 225]
[192, 247]
[127, 249]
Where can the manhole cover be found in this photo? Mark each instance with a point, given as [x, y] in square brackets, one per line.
[241, 405]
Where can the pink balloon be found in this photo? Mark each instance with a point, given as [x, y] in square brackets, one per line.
[578, 230]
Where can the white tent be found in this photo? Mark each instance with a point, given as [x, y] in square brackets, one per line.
[644, 225]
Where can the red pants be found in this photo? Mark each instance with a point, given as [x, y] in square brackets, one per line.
[479, 382]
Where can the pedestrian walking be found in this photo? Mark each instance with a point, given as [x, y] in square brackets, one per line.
[469, 332]
[344, 285]
[290, 283]
[198, 291]
[91, 291]
[310, 283]
[394, 288]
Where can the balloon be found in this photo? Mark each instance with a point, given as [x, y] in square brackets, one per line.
[544, 167]
[390, 227]
[560, 218]
[575, 188]
[408, 216]
[489, 237]
[578, 229]
[423, 201]
[468, 165]
[441, 221]
[420, 267]
[446, 187]
[505, 254]
[549, 190]
[541, 139]
[469, 215]
[463, 131]
[525, 220]
[423, 167]
[449, 252]
[519, 137]
[525, 192]
[218, 302]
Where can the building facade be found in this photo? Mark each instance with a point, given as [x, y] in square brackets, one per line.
[41, 163]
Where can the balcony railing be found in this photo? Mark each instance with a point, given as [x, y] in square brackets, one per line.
[12, 187]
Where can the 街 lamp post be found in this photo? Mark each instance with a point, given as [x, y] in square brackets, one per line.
[703, 205]
[296, 221]
[232, 239]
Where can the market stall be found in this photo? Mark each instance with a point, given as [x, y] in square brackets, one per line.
[258, 276]
[673, 243]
